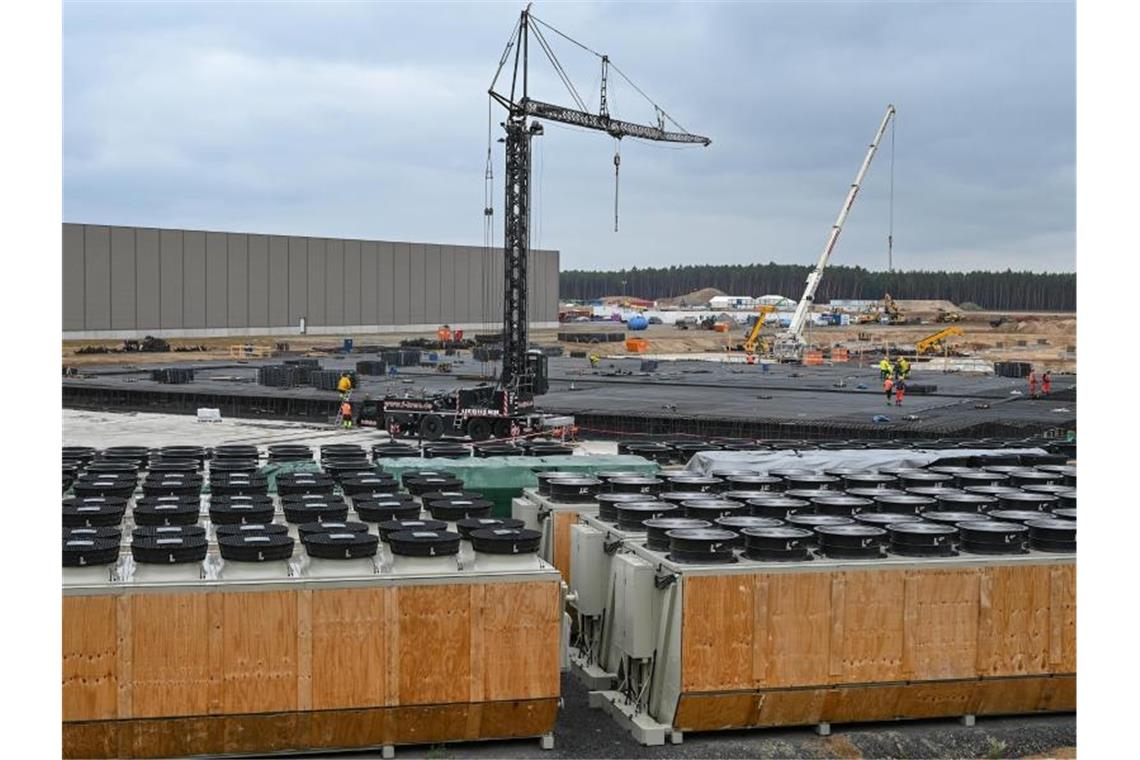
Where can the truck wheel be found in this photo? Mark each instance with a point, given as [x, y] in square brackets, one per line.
[431, 427]
[502, 428]
[479, 429]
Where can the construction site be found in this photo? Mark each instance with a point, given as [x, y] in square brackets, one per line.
[404, 500]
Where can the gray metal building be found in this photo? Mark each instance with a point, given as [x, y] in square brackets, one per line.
[121, 282]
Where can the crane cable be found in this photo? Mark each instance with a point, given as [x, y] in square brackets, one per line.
[617, 168]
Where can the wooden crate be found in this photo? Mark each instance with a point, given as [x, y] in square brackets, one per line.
[160, 673]
[843, 645]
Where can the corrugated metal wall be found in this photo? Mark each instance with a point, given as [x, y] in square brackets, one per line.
[125, 280]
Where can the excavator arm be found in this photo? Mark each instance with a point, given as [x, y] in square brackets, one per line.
[752, 342]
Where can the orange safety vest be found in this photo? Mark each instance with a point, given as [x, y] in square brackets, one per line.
[346, 409]
[887, 384]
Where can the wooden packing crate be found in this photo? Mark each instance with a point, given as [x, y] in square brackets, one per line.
[866, 644]
[153, 672]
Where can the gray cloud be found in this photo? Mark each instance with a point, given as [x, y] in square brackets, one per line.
[370, 120]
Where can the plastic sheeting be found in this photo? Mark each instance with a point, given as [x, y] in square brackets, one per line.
[704, 462]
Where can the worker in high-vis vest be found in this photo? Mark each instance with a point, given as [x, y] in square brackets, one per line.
[345, 383]
[884, 368]
[346, 413]
[904, 368]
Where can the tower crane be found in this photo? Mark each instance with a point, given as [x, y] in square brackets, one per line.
[521, 126]
[789, 345]
[507, 409]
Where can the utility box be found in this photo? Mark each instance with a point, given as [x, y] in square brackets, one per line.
[636, 632]
[588, 576]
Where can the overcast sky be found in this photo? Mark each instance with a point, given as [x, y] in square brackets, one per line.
[370, 120]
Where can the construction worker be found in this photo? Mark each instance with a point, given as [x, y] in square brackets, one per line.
[1046, 382]
[346, 413]
[904, 368]
[1032, 383]
[884, 368]
[344, 385]
[900, 391]
[595, 360]
[888, 386]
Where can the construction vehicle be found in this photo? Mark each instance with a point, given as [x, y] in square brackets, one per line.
[507, 409]
[753, 344]
[790, 345]
[945, 315]
[933, 344]
[892, 314]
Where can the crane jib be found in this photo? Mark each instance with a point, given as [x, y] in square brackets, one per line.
[615, 127]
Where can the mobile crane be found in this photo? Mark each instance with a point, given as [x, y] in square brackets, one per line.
[507, 409]
[753, 344]
[789, 345]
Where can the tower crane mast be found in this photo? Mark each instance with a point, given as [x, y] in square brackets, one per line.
[507, 409]
[518, 375]
[789, 345]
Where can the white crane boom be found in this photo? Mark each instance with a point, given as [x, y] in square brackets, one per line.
[789, 345]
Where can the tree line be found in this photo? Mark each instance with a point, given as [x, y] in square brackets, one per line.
[1008, 290]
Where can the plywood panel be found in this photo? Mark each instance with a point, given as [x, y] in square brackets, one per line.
[845, 705]
[352, 282]
[434, 644]
[73, 284]
[148, 279]
[349, 645]
[560, 554]
[717, 712]
[259, 652]
[97, 277]
[90, 740]
[792, 708]
[717, 632]
[1060, 694]
[170, 289]
[796, 646]
[1007, 696]
[867, 627]
[520, 641]
[1013, 627]
[1063, 619]
[123, 274]
[936, 698]
[941, 613]
[169, 654]
[217, 274]
[90, 658]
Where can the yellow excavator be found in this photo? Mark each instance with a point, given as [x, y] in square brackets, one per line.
[933, 343]
[754, 344]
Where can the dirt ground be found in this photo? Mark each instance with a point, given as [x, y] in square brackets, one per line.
[1047, 340]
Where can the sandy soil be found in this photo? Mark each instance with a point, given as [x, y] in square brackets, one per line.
[1044, 339]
